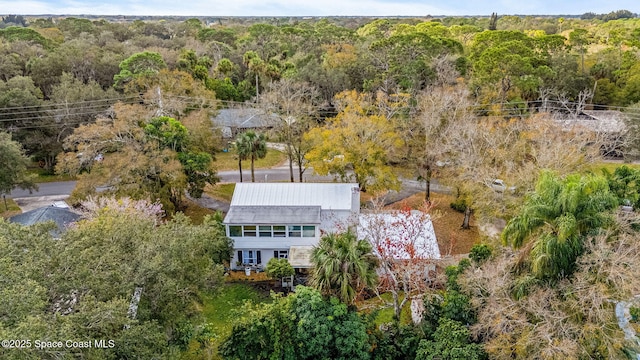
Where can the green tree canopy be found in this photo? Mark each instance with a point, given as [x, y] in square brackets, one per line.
[450, 342]
[13, 163]
[140, 64]
[133, 164]
[15, 33]
[158, 159]
[81, 285]
[302, 325]
[168, 131]
[200, 171]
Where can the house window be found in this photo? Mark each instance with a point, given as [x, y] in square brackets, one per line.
[235, 230]
[272, 231]
[295, 231]
[249, 231]
[251, 257]
[281, 254]
[279, 231]
[264, 230]
[309, 231]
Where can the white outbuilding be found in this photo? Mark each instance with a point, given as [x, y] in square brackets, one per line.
[400, 235]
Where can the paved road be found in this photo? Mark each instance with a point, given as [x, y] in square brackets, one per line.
[54, 191]
[46, 195]
[281, 173]
[46, 189]
[275, 174]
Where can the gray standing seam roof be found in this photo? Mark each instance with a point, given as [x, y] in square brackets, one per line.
[273, 215]
[329, 196]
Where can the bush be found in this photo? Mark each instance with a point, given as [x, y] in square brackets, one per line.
[453, 271]
[303, 325]
[457, 306]
[459, 205]
[450, 304]
[480, 253]
[452, 340]
[279, 268]
[522, 286]
[394, 341]
[635, 314]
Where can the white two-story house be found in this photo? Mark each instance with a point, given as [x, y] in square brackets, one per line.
[285, 220]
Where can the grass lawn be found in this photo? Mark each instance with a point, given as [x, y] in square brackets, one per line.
[196, 212]
[44, 176]
[222, 192]
[11, 209]
[229, 161]
[220, 310]
[384, 309]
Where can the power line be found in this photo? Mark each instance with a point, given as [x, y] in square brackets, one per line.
[99, 105]
[53, 114]
[61, 110]
[45, 104]
[41, 126]
[257, 105]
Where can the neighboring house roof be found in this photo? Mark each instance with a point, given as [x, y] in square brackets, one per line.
[400, 235]
[273, 215]
[602, 121]
[248, 118]
[328, 196]
[60, 216]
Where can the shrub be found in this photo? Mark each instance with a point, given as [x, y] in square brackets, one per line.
[480, 253]
[279, 268]
[635, 313]
[522, 286]
[459, 205]
[452, 340]
[453, 271]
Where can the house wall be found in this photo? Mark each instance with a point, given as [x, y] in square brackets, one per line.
[265, 255]
[267, 245]
[270, 243]
[337, 221]
[331, 221]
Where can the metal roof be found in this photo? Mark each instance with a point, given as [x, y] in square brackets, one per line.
[400, 235]
[273, 215]
[334, 196]
[246, 118]
[602, 121]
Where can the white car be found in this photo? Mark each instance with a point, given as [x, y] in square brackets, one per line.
[498, 185]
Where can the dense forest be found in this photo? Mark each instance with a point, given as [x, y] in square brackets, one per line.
[126, 105]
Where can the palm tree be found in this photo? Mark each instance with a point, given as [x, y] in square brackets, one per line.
[343, 266]
[255, 147]
[256, 65]
[558, 217]
[240, 146]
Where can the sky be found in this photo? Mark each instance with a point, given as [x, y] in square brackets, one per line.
[315, 7]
